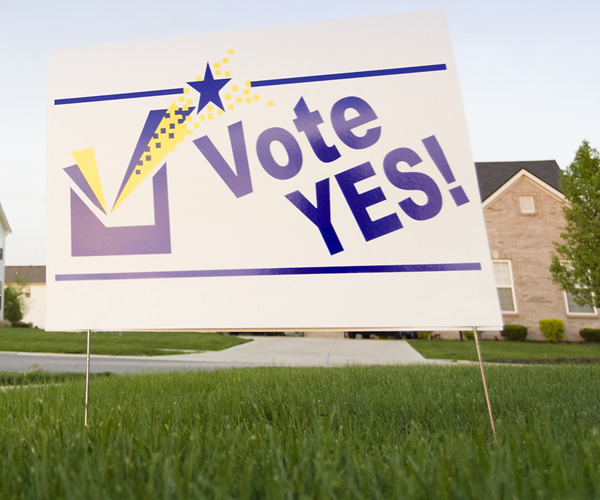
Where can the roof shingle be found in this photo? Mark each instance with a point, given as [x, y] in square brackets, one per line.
[493, 175]
[25, 274]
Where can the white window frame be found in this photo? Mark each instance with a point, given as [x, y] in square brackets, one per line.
[586, 314]
[569, 313]
[512, 286]
[525, 210]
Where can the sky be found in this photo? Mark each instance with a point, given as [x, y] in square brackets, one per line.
[528, 70]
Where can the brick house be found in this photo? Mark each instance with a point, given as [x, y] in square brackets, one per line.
[4, 232]
[522, 209]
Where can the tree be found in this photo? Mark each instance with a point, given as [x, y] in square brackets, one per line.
[13, 304]
[576, 267]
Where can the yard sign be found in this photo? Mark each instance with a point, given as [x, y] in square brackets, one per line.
[315, 176]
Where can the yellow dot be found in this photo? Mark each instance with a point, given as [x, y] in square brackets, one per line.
[256, 97]
[196, 125]
[218, 72]
[181, 99]
[234, 88]
[225, 60]
[230, 107]
[219, 111]
[269, 103]
[238, 99]
[210, 116]
[202, 118]
[189, 102]
[198, 78]
[228, 97]
[209, 108]
[227, 74]
[188, 118]
[246, 91]
[186, 90]
[231, 51]
[248, 100]
[217, 65]
[248, 84]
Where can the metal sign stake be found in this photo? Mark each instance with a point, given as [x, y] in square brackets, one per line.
[87, 379]
[485, 388]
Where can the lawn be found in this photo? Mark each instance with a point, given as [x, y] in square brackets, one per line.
[506, 351]
[36, 377]
[125, 344]
[416, 432]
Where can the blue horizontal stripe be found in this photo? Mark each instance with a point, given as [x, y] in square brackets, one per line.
[280, 271]
[259, 83]
[347, 76]
[116, 97]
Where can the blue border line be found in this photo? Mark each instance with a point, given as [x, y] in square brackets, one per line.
[261, 83]
[281, 271]
[116, 97]
[347, 76]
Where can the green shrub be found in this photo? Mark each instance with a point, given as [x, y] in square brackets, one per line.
[514, 332]
[590, 334]
[424, 335]
[552, 329]
[22, 324]
[13, 304]
[469, 335]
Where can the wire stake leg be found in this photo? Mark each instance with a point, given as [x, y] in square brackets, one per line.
[485, 388]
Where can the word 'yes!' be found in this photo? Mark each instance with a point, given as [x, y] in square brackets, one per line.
[239, 180]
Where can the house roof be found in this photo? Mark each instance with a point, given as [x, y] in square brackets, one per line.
[523, 174]
[493, 175]
[4, 221]
[25, 274]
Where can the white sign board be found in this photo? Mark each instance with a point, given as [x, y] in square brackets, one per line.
[315, 176]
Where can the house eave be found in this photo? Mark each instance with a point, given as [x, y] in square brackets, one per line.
[514, 179]
[4, 221]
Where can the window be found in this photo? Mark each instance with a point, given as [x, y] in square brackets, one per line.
[527, 205]
[1, 253]
[504, 285]
[574, 308]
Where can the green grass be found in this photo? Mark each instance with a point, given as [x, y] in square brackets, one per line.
[506, 351]
[43, 377]
[293, 433]
[126, 344]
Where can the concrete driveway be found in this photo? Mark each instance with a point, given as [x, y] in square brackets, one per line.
[262, 351]
[303, 351]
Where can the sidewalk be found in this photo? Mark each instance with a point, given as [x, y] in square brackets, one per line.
[300, 351]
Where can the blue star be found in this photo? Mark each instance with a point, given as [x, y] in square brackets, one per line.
[209, 89]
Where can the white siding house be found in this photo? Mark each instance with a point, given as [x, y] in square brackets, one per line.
[32, 279]
[4, 232]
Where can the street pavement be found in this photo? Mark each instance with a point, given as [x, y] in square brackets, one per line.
[262, 351]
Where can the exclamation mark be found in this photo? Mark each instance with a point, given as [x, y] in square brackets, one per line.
[437, 155]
